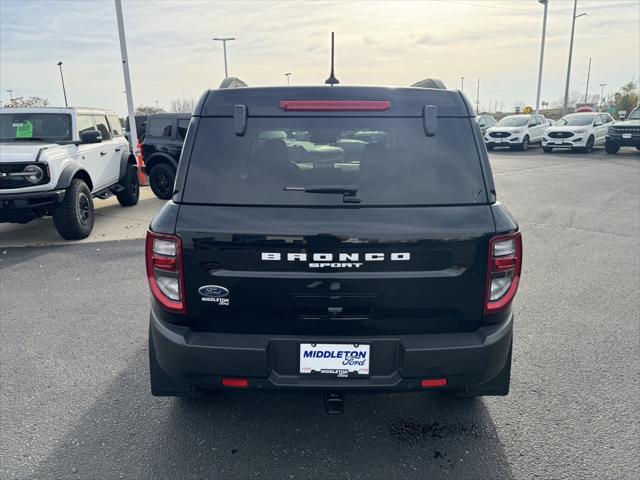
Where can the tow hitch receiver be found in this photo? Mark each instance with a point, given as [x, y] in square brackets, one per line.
[334, 403]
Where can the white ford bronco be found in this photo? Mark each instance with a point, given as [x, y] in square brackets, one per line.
[54, 161]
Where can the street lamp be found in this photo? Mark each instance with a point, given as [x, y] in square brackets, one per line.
[462, 84]
[10, 92]
[573, 27]
[602, 85]
[544, 32]
[288, 75]
[64, 91]
[224, 41]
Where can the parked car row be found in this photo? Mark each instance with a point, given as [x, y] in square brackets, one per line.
[576, 131]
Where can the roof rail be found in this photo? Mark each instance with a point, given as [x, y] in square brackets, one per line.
[232, 82]
[430, 83]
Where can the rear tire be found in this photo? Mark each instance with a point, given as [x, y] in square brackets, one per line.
[547, 149]
[611, 148]
[161, 179]
[131, 184]
[74, 216]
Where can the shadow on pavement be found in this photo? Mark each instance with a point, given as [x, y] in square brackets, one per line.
[129, 434]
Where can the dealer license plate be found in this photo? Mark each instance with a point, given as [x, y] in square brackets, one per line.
[498, 140]
[335, 359]
[558, 142]
[626, 135]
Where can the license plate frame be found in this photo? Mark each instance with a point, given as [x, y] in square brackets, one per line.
[333, 364]
[626, 136]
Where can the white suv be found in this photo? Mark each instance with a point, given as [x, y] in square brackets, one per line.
[516, 132]
[54, 161]
[581, 131]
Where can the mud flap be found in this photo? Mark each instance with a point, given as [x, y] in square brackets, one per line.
[162, 384]
[498, 385]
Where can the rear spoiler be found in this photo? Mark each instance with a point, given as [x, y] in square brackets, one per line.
[232, 82]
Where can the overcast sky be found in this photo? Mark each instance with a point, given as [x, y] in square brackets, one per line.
[383, 43]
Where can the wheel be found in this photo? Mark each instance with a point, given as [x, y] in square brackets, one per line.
[490, 148]
[524, 146]
[611, 148]
[73, 217]
[589, 146]
[131, 184]
[547, 149]
[161, 179]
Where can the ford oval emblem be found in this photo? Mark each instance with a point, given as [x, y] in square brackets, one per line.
[214, 291]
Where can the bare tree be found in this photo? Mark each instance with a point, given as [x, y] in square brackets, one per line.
[182, 105]
[148, 110]
[27, 102]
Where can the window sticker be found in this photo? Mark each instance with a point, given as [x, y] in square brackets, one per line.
[24, 130]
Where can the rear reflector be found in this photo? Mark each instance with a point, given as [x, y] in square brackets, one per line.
[235, 382]
[335, 105]
[434, 382]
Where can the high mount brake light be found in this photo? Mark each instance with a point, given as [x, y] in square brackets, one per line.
[503, 271]
[164, 270]
[335, 105]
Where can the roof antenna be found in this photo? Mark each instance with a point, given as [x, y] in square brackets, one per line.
[332, 80]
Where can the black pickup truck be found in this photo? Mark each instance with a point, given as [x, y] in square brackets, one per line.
[391, 269]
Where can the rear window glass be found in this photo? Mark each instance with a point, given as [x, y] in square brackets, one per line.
[389, 160]
[183, 125]
[160, 127]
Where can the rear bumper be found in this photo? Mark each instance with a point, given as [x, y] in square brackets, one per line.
[398, 363]
[20, 207]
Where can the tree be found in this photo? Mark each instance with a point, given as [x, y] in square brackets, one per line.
[148, 110]
[182, 105]
[27, 102]
[624, 99]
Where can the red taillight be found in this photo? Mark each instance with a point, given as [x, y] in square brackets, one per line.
[335, 105]
[433, 382]
[164, 270]
[503, 271]
[235, 382]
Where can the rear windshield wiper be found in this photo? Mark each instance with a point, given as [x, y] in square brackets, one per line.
[349, 191]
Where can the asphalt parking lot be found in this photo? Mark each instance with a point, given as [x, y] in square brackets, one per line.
[73, 363]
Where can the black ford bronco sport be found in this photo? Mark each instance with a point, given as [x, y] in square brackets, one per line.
[333, 238]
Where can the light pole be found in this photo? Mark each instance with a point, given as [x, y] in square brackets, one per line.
[287, 75]
[586, 93]
[573, 27]
[462, 84]
[224, 41]
[544, 33]
[64, 91]
[133, 132]
[478, 98]
[602, 85]
[10, 92]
